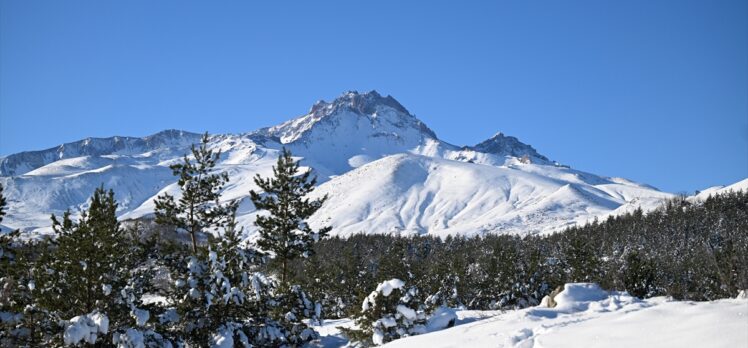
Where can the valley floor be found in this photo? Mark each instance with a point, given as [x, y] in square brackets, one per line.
[587, 318]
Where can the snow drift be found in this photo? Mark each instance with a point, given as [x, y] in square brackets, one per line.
[587, 316]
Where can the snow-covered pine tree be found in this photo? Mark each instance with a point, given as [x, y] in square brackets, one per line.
[81, 277]
[284, 231]
[220, 298]
[446, 295]
[11, 289]
[638, 274]
[77, 276]
[295, 306]
[390, 312]
[3, 203]
[217, 294]
[580, 257]
[22, 323]
[198, 208]
[210, 289]
[7, 254]
[333, 287]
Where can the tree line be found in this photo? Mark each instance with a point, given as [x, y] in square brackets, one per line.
[687, 250]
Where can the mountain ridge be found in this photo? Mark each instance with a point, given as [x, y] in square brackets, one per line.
[18, 163]
[414, 182]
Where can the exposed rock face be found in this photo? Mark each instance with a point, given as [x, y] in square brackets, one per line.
[742, 295]
[549, 300]
[503, 145]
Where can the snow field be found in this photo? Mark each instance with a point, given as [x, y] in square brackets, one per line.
[587, 316]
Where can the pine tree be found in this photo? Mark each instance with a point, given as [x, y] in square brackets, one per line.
[83, 274]
[390, 312]
[2, 203]
[11, 300]
[23, 323]
[198, 209]
[6, 239]
[217, 291]
[219, 295]
[213, 289]
[638, 275]
[86, 257]
[581, 257]
[285, 231]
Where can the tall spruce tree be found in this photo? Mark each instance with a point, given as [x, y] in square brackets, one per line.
[285, 231]
[198, 209]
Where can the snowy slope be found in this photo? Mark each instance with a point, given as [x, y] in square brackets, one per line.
[589, 317]
[383, 169]
[414, 194]
[165, 144]
[738, 186]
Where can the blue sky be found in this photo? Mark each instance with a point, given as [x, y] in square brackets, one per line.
[654, 91]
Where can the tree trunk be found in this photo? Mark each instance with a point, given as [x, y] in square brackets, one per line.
[192, 228]
[283, 274]
[194, 242]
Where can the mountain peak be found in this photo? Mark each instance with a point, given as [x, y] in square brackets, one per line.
[500, 144]
[380, 116]
[361, 103]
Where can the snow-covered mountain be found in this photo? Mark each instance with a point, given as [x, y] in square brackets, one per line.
[157, 146]
[704, 194]
[383, 169]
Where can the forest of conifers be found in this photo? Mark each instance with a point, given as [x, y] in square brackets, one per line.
[695, 251]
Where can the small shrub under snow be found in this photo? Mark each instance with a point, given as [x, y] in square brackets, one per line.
[390, 312]
[85, 328]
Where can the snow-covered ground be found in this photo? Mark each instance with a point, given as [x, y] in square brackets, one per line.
[587, 316]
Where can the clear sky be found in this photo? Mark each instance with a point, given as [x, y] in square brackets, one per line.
[654, 91]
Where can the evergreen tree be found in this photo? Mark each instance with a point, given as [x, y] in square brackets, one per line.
[390, 312]
[217, 291]
[88, 255]
[285, 231]
[581, 257]
[638, 275]
[2, 203]
[198, 208]
[22, 323]
[219, 295]
[11, 299]
[212, 289]
[7, 254]
[82, 276]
